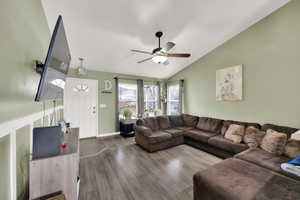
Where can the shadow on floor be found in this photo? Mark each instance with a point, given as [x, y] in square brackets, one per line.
[93, 146]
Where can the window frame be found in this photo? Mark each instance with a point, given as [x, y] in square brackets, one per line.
[155, 101]
[169, 101]
[135, 114]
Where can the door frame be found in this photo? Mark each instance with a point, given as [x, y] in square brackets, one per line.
[97, 104]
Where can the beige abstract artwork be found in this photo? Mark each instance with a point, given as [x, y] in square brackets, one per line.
[229, 84]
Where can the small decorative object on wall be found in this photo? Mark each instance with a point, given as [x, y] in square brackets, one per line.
[107, 86]
[229, 84]
[81, 88]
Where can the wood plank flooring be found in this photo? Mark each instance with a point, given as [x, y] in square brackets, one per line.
[124, 171]
[92, 146]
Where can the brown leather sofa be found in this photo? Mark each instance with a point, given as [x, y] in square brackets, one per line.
[248, 173]
[158, 133]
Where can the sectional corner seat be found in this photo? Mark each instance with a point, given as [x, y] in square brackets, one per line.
[245, 174]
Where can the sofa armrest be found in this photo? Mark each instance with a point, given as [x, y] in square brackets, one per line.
[143, 130]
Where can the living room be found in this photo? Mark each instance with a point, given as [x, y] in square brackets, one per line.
[150, 100]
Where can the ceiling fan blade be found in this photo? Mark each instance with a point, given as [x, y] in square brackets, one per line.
[166, 62]
[179, 55]
[169, 45]
[144, 60]
[138, 51]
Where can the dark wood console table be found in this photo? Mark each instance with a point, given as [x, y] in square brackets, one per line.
[57, 173]
[127, 127]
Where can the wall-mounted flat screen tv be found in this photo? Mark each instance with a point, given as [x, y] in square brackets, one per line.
[56, 66]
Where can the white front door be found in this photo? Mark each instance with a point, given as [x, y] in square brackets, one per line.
[81, 105]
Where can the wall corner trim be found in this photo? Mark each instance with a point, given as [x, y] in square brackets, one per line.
[9, 126]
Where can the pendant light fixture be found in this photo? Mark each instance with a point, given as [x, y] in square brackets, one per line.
[81, 70]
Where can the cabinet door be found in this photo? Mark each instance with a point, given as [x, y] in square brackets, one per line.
[54, 174]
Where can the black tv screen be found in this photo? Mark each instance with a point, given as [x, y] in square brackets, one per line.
[56, 66]
[46, 141]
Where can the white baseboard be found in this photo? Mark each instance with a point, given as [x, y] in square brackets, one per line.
[108, 134]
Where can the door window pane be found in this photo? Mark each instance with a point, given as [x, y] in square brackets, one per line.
[151, 98]
[173, 100]
[127, 98]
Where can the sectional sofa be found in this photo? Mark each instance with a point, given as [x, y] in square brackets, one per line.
[245, 174]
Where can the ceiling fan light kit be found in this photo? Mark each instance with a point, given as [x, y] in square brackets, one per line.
[160, 55]
[159, 59]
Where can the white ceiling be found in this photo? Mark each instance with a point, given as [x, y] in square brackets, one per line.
[104, 31]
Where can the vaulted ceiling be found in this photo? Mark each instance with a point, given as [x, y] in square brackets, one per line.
[104, 31]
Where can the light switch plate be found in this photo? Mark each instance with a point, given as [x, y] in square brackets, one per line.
[103, 105]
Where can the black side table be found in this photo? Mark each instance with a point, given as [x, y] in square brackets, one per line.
[126, 127]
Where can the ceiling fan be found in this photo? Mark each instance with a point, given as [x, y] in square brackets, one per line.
[160, 55]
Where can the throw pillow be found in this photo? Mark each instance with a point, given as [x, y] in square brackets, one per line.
[190, 120]
[209, 124]
[235, 133]
[253, 136]
[176, 120]
[292, 148]
[164, 122]
[296, 135]
[274, 142]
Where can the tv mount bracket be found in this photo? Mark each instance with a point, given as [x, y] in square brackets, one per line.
[39, 66]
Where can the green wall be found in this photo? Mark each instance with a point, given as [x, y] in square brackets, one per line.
[107, 117]
[22, 162]
[270, 53]
[24, 37]
[4, 168]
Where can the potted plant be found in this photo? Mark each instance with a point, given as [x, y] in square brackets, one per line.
[157, 112]
[127, 113]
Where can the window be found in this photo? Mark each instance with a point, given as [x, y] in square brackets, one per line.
[173, 100]
[151, 99]
[128, 98]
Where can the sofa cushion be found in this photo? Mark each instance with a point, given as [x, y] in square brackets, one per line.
[152, 123]
[143, 130]
[163, 122]
[265, 159]
[184, 128]
[227, 123]
[234, 179]
[296, 135]
[292, 148]
[159, 136]
[235, 133]
[209, 124]
[253, 136]
[199, 135]
[140, 122]
[274, 142]
[227, 145]
[175, 132]
[176, 120]
[283, 129]
[190, 120]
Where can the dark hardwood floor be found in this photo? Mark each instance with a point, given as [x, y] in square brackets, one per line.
[121, 170]
[93, 146]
